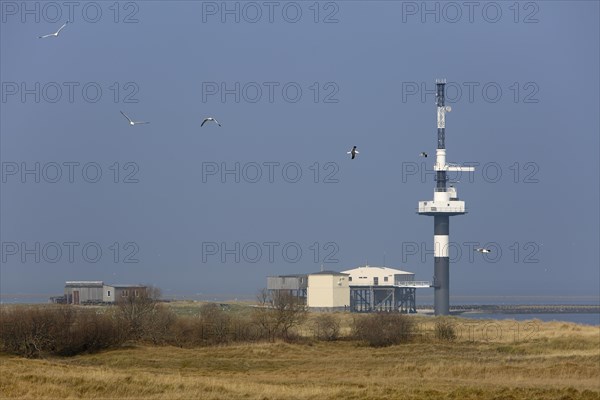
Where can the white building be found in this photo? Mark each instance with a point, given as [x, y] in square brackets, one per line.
[116, 293]
[378, 276]
[383, 289]
[328, 290]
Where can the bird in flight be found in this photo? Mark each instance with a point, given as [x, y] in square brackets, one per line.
[55, 34]
[209, 119]
[353, 152]
[482, 250]
[423, 154]
[131, 122]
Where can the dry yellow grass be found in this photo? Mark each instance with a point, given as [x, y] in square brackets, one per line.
[557, 361]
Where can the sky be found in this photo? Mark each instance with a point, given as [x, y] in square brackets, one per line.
[215, 210]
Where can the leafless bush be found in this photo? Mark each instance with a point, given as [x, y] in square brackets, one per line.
[213, 325]
[89, 331]
[144, 317]
[157, 325]
[244, 330]
[383, 329]
[444, 330]
[58, 330]
[278, 314]
[27, 331]
[216, 324]
[326, 327]
[186, 332]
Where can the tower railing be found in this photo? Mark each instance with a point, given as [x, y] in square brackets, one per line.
[415, 284]
[442, 209]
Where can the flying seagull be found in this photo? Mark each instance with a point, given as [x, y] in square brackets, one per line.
[132, 123]
[423, 154]
[55, 34]
[209, 119]
[354, 152]
[482, 250]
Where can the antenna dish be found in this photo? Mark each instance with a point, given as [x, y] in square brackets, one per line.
[448, 108]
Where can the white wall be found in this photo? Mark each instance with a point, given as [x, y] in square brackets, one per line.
[327, 291]
[105, 297]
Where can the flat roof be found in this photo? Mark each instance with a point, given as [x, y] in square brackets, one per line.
[127, 286]
[84, 283]
[329, 273]
[382, 269]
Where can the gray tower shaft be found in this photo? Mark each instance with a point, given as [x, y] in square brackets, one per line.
[441, 266]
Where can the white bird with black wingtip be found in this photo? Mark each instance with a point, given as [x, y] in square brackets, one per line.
[131, 122]
[55, 34]
[209, 119]
[353, 152]
[482, 250]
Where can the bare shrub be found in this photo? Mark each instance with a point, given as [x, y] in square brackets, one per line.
[383, 329]
[289, 312]
[216, 323]
[326, 327]
[88, 331]
[185, 332]
[61, 330]
[157, 325]
[144, 317]
[27, 331]
[243, 329]
[278, 314]
[444, 330]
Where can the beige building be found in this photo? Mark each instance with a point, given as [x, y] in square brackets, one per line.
[328, 290]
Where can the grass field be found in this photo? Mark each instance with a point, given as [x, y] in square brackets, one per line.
[490, 360]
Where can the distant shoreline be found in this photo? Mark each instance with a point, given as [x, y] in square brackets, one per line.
[521, 309]
[427, 308]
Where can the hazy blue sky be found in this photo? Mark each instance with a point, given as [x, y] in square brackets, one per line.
[541, 133]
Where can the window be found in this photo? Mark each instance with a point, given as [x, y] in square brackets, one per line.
[136, 293]
[376, 281]
[350, 279]
[385, 278]
[124, 293]
[108, 293]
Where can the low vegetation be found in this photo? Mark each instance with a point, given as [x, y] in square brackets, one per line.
[35, 331]
[444, 330]
[64, 331]
[384, 329]
[226, 351]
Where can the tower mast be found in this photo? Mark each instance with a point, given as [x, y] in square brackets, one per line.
[444, 205]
